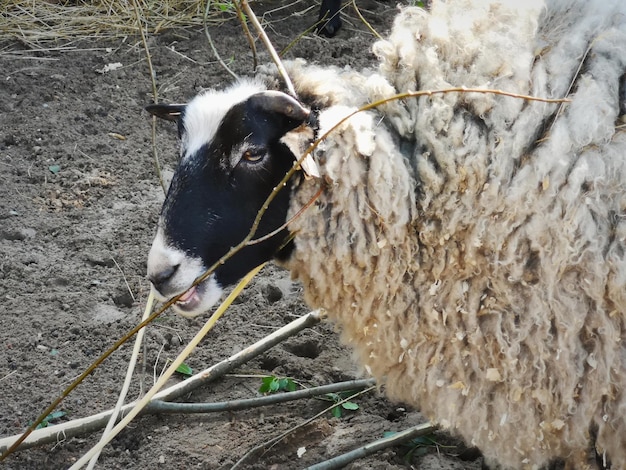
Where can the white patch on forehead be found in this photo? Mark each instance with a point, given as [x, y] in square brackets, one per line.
[204, 113]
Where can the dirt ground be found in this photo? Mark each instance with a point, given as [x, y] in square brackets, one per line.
[79, 200]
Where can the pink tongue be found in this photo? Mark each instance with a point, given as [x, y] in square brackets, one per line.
[187, 295]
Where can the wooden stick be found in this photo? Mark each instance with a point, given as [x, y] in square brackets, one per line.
[399, 438]
[269, 47]
[158, 406]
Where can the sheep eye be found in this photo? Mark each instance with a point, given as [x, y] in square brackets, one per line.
[253, 155]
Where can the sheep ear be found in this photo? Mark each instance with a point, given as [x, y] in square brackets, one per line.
[169, 112]
[281, 103]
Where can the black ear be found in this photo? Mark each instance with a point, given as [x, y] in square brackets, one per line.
[276, 102]
[169, 112]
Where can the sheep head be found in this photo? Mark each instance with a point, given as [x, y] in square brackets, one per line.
[232, 156]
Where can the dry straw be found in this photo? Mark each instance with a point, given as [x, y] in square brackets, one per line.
[37, 21]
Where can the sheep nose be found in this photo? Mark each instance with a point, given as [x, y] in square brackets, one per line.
[159, 279]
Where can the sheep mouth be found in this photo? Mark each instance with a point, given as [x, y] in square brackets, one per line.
[198, 299]
[190, 301]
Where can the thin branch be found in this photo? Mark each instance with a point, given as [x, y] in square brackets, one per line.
[213, 48]
[14, 445]
[253, 230]
[8, 375]
[32, 438]
[365, 22]
[127, 380]
[158, 406]
[130, 291]
[241, 357]
[281, 184]
[246, 31]
[298, 38]
[140, 405]
[286, 224]
[399, 438]
[270, 48]
[264, 447]
[155, 95]
[89, 424]
[418, 94]
[571, 85]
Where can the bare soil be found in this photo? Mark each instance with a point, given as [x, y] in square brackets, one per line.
[79, 200]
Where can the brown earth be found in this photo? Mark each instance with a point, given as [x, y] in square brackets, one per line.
[78, 204]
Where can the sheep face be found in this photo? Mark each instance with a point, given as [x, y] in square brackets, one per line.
[232, 157]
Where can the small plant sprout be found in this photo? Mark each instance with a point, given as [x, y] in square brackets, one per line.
[272, 384]
[337, 398]
[51, 417]
[184, 370]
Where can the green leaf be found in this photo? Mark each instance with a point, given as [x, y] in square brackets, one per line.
[56, 415]
[287, 384]
[271, 384]
[54, 168]
[185, 370]
[265, 383]
[349, 405]
[51, 417]
[336, 411]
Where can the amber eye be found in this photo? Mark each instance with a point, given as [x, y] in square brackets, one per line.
[253, 155]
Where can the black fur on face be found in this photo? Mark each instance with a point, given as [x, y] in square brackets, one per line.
[217, 191]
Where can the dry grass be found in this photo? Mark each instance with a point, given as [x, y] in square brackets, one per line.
[38, 21]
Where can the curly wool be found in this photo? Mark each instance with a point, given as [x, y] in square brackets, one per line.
[472, 247]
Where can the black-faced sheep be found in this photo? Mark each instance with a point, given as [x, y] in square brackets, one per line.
[471, 247]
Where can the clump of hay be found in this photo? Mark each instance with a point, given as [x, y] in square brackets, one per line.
[36, 21]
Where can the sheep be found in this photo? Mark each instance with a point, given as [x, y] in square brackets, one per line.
[471, 247]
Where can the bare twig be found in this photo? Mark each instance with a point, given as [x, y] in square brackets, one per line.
[212, 45]
[268, 44]
[298, 38]
[130, 291]
[15, 443]
[365, 22]
[155, 95]
[417, 94]
[571, 85]
[93, 423]
[296, 167]
[399, 438]
[141, 403]
[127, 380]
[265, 446]
[8, 375]
[286, 224]
[246, 31]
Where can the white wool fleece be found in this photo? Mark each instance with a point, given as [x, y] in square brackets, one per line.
[472, 247]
